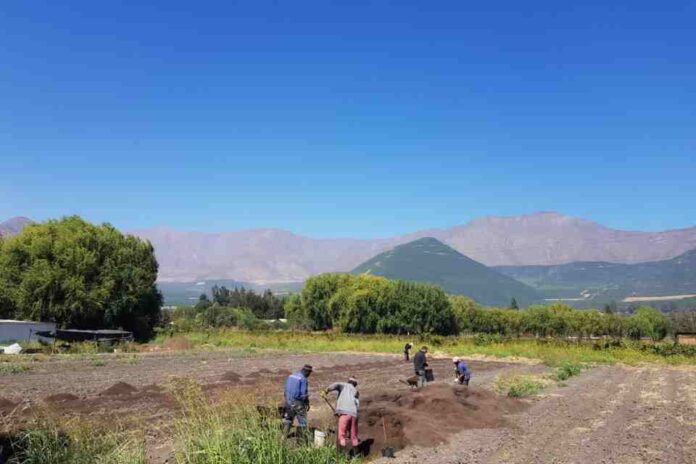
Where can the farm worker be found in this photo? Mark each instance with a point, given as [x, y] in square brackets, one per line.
[297, 399]
[407, 351]
[462, 374]
[420, 362]
[347, 404]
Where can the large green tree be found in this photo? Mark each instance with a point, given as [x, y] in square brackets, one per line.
[80, 275]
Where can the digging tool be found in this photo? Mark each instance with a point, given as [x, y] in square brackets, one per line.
[387, 451]
[330, 406]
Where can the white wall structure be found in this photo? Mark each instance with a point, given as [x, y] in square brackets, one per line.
[22, 331]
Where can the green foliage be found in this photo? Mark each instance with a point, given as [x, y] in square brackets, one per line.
[264, 306]
[369, 304]
[567, 370]
[49, 441]
[207, 316]
[647, 322]
[487, 339]
[518, 386]
[80, 276]
[13, 368]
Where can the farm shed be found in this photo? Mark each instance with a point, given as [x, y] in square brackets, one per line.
[685, 338]
[22, 331]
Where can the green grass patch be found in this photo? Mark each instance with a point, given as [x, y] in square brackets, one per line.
[551, 352]
[49, 440]
[518, 386]
[13, 368]
[567, 370]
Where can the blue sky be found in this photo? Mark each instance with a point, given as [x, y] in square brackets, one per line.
[360, 119]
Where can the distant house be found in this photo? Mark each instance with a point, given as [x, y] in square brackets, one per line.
[22, 331]
[685, 338]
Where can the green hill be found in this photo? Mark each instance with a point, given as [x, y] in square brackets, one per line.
[429, 260]
[602, 282]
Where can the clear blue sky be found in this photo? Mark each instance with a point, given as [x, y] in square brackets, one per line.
[354, 118]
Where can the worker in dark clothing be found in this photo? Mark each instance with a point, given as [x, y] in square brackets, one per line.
[420, 362]
[407, 351]
[297, 399]
[462, 374]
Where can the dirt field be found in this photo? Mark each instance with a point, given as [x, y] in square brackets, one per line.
[607, 414]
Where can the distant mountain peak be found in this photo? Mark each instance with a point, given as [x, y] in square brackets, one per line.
[14, 225]
[431, 261]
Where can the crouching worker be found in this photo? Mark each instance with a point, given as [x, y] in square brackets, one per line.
[462, 374]
[297, 399]
[347, 405]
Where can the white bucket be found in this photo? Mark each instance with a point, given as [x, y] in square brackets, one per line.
[319, 439]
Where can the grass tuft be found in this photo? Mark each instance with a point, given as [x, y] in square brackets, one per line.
[518, 386]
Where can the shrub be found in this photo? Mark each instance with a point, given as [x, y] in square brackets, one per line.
[567, 370]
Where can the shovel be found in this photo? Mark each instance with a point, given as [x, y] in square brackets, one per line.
[330, 406]
[387, 451]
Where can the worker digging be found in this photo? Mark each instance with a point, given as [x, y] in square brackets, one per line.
[347, 404]
[462, 374]
[420, 363]
[296, 403]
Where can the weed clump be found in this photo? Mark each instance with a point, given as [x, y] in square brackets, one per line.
[48, 441]
[518, 386]
[567, 370]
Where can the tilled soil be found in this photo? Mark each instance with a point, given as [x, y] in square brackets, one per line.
[607, 414]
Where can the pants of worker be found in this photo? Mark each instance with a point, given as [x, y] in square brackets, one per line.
[406, 357]
[296, 410]
[463, 380]
[421, 378]
[347, 428]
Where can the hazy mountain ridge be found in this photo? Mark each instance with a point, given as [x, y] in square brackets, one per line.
[14, 225]
[431, 261]
[273, 255]
[606, 281]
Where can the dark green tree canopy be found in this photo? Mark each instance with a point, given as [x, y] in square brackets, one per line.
[80, 275]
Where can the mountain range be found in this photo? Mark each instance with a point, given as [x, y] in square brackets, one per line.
[273, 255]
[429, 260]
[601, 282]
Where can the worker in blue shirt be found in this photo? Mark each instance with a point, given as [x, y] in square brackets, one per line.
[297, 399]
[461, 372]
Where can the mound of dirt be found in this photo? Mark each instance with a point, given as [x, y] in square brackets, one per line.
[230, 376]
[431, 416]
[60, 398]
[119, 389]
[6, 404]
[177, 344]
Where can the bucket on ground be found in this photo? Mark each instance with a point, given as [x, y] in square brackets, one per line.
[319, 439]
[429, 376]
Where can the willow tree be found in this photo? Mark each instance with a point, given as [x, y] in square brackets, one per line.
[80, 275]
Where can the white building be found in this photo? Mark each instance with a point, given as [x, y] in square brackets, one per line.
[22, 331]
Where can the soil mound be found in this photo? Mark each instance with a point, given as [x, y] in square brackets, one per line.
[432, 415]
[230, 376]
[119, 389]
[60, 398]
[6, 404]
[177, 344]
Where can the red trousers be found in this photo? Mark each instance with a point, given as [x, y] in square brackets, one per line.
[347, 426]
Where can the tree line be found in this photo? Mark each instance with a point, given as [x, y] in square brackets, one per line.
[370, 304]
